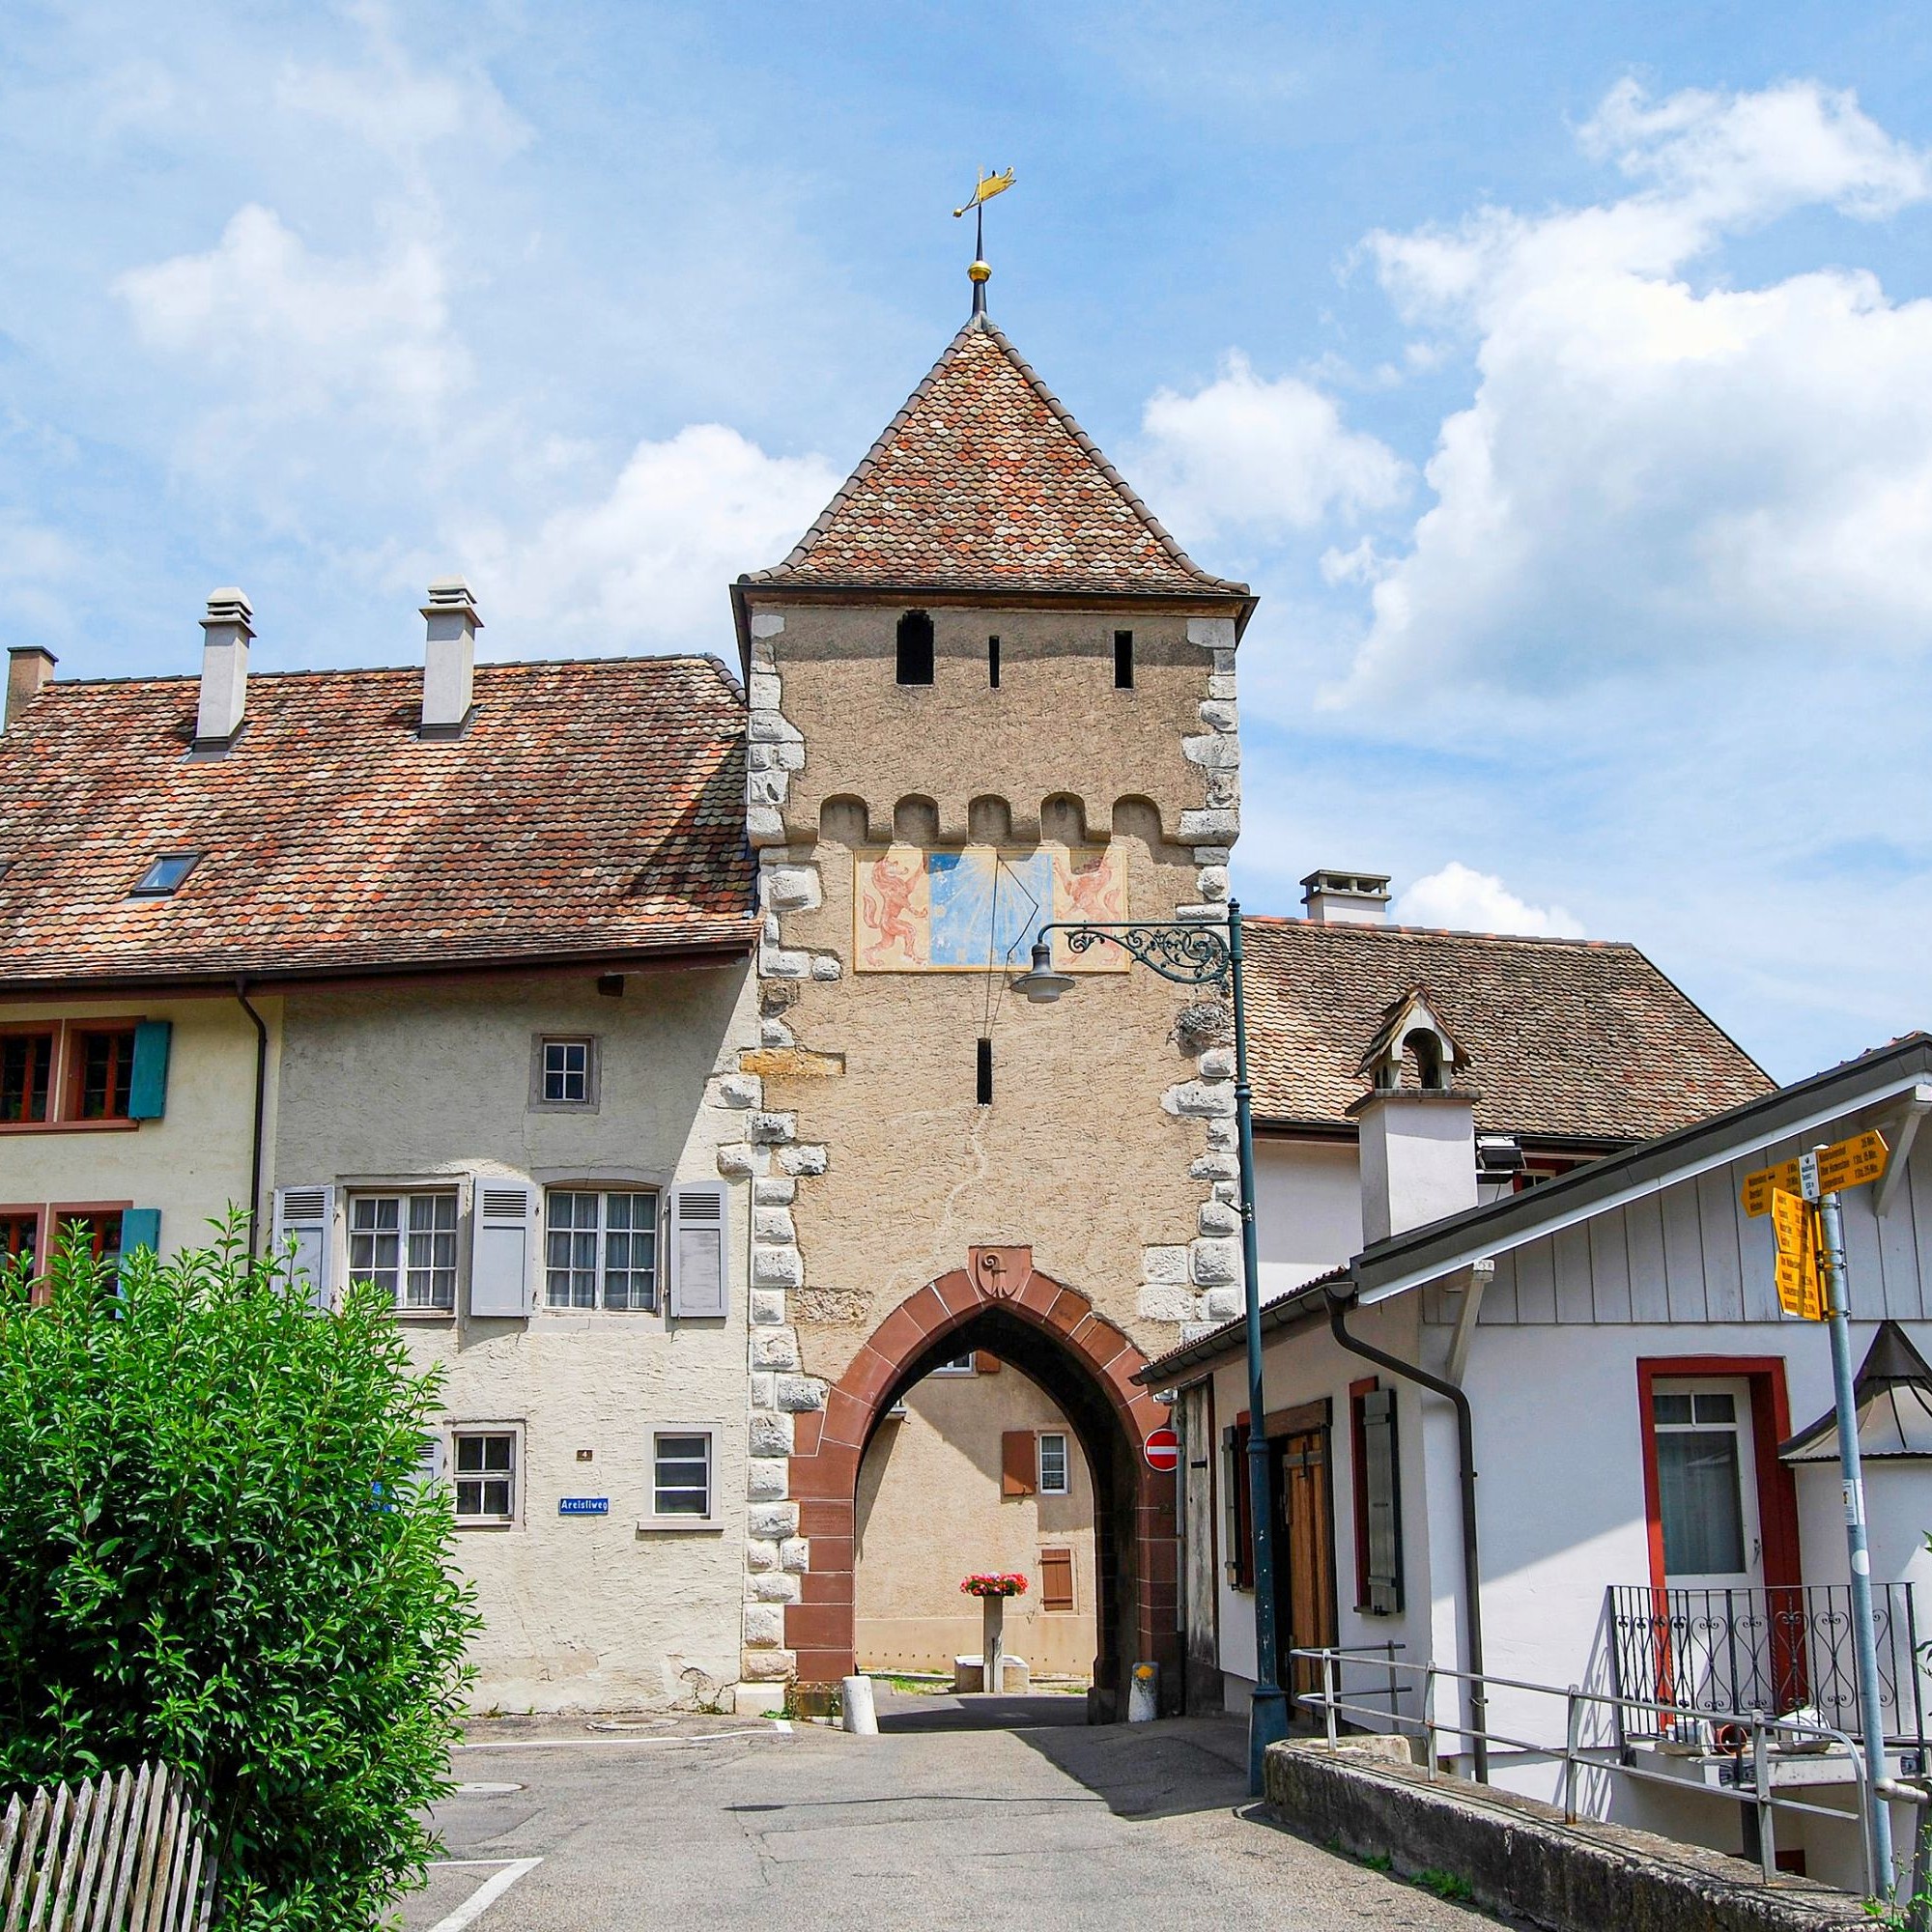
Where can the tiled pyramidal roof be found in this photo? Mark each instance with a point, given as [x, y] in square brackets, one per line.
[591, 810]
[984, 480]
[1567, 1038]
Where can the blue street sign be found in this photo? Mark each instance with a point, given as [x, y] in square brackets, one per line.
[583, 1506]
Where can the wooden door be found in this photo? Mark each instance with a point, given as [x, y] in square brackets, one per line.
[1305, 1588]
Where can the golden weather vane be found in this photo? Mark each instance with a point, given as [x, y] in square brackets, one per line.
[984, 190]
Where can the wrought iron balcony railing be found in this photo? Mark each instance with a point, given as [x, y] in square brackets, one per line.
[1772, 1650]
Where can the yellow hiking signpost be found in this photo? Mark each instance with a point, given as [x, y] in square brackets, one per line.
[1802, 1198]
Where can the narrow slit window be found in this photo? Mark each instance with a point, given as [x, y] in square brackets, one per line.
[983, 1079]
[993, 662]
[915, 641]
[1124, 660]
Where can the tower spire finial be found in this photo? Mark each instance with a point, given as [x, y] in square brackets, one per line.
[979, 271]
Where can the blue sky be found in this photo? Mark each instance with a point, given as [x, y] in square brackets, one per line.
[1558, 376]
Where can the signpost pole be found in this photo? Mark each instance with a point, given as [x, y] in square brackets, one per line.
[1863, 1633]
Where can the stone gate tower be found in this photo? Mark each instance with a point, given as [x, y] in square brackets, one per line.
[986, 690]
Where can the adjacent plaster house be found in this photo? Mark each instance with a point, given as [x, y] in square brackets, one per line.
[450, 968]
[1656, 1508]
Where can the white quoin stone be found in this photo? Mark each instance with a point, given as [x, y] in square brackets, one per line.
[775, 1190]
[1214, 752]
[767, 624]
[1218, 1063]
[764, 1625]
[808, 1159]
[1211, 883]
[1199, 1099]
[766, 693]
[224, 665]
[1218, 715]
[449, 662]
[1165, 1301]
[1418, 1160]
[768, 1308]
[775, 1588]
[1215, 1262]
[737, 1160]
[773, 1224]
[772, 1435]
[764, 825]
[760, 1556]
[798, 1394]
[767, 1480]
[793, 889]
[1223, 1136]
[1164, 1263]
[741, 1090]
[777, 1267]
[775, 1348]
[1211, 633]
[773, 1521]
[1221, 1304]
[1214, 1167]
[773, 1129]
[1217, 1218]
[766, 1666]
[1219, 825]
[795, 1556]
[775, 1033]
[827, 966]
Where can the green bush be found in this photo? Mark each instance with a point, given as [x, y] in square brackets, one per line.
[215, 1548]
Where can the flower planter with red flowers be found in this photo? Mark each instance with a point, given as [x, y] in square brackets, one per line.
[993, 1587]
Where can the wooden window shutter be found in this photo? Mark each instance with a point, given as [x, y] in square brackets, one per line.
[1017, 1473]
[1384, 1501]
[148, 1078]
[500, 1247]
[140, 1228]
[1056, 1579]
[700, 1290]
[305, 1216]
[1239, 1555]
[985, 1364]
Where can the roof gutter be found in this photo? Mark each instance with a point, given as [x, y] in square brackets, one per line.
[1466, 1467]
[215, 979]
[261, 1103]
[1414, 1260]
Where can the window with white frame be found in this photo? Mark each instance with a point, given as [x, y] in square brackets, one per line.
[681, 1474]
[485, 1474]
[566, 1072]
[406, 1244]
[959, 1365]
[1052, 1464]
[601, 1248]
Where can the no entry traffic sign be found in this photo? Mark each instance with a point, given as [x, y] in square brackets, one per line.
[1162, 1450]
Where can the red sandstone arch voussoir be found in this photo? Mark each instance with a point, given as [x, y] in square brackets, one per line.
[827, 1447]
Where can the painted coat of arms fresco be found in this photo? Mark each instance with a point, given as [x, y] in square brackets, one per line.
[979, 908]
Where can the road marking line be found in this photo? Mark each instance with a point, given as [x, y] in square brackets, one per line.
[487, 1893]
[602, 1744]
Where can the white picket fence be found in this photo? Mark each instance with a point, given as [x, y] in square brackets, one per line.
[125, 1852]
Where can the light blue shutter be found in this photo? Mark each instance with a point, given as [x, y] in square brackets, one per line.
[147, 1081]
[500, 1249]
[699, 1287]
[140, 1228]
[306, 1216]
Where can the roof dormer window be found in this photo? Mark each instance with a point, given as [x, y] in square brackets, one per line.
[163, 878]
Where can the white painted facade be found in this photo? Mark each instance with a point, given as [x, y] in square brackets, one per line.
[407, 1086]
[1676, 1274]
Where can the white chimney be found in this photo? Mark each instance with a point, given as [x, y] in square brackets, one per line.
[450, 669]
[1346, 899]
[224, 668]
[30, 668]
[1418, 1139]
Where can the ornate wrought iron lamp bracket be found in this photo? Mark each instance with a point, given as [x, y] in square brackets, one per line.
[1186, 954]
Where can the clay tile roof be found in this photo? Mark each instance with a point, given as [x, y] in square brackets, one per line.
[1567, 1038]
[983, 480]
[591, 810]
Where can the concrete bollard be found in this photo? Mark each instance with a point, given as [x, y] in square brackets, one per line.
[854, 1698]
[1144, 1694]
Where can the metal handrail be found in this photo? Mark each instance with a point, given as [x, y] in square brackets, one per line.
[1762, 1729]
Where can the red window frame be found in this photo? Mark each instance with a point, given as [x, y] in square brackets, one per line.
[67, 1071]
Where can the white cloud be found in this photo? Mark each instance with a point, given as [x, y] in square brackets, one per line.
[1647, 472]
[645, 566]
[291, 332]
[1244, 452]
[1466, 901]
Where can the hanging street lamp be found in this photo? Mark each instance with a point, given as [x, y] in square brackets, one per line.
[1197, 955]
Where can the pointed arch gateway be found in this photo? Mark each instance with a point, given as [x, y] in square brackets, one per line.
[1086, 1363]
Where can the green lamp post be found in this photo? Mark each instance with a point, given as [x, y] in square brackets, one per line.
[1198, 954]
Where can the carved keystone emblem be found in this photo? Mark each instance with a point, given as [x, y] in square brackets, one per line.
[1002, 1273]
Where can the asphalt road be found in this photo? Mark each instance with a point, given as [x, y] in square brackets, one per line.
[1042, 1822]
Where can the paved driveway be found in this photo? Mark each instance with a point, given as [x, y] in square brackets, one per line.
[694, 1823]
